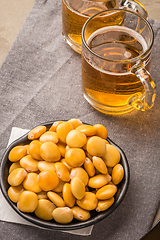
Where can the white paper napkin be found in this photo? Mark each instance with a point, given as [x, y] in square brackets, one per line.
[9, 215]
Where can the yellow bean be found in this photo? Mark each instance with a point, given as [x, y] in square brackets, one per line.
[117, 174]
[77, 188]
[45, 209]
[44, 165]
[34, 149]
[62, 148]
[75, 157]
[63, 215]
[96, 146]
[14, 192]
[76, 139]
[36, 132]
[100, 165]
[49, 137]
[62, 171]
[68, 197]
[112, 156]
[64, 162]
[42, 195]
[59, 187]
[88, 202]
[80, 173]
[54, 126]
[30, 183]
[14, 166]
[17, 176]
[29, 163]
[104, 204]
[88, 130]
[56, 199]
[48, 180]
[99, 180]
[27, 202]
[106, 192]
[75, 122]
[101, 131]
[50, 152]
[89, 167]
[63, 129]
[80, 214]
[17, 153]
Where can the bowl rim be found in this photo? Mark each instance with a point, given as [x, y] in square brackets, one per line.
[54, 225]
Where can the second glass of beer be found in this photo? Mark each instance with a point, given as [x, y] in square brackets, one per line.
[76, 12]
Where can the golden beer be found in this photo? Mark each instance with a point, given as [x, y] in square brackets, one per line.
[74, 15]
[108, 83]
[76, 12]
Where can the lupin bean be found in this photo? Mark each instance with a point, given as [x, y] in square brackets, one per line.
[80, 214]
[36, 132]
[99, 180]
[81, 173]
[76, 139]
[88, 130]
[63, 129]
[89, 167]
[34, 149]
[106, 192]
[14, 192]
[29, 163]
[117, 174]
[27, 202]
[68, 197]
[75, 157]
[88, 202]
[50, 152]
[101, 131]
[31, 183]
[77, 188]
[17, 176]
[17, 153]
[100, 165]
[96, 146]
[62, 171]
[14, 166]
[56, 199]
[112, 156]
[49, 137]
[75, 122]
[104, 204]
[62, 215]
[44, 209]
[48, 180]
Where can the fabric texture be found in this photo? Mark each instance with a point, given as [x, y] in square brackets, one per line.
[40, 81]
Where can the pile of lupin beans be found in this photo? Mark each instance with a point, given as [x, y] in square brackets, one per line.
[65, 171]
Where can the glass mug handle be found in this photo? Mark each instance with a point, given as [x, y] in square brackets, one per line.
[134, 6]
[147, 101]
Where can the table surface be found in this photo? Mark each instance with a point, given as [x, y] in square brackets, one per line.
[12, 17]
[14, 13]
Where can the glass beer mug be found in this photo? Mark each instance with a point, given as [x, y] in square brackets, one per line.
[76, 12]
[116, 55]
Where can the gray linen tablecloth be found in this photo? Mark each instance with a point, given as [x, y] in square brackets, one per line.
[40, 81]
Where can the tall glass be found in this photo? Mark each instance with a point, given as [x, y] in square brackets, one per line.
[76, 12]
[116, 54]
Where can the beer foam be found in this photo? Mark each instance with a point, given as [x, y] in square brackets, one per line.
[129, 31]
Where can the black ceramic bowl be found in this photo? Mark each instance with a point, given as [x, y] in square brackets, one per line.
[75, 224]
